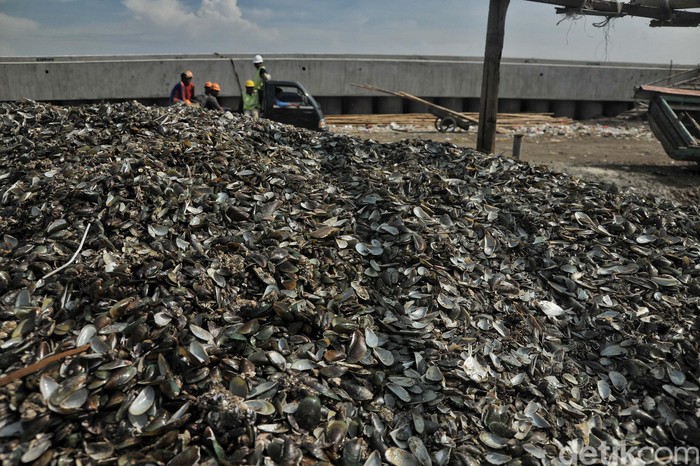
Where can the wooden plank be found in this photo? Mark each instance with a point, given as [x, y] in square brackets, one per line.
[648, 90]
[406, 95]
[426, 120]
[488, 111]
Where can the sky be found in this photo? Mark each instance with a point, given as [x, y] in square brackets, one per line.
[383, 27]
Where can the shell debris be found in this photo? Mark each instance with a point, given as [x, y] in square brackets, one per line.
[253, 293]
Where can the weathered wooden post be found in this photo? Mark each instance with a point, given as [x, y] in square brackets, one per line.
[488, 111]
[517, 145]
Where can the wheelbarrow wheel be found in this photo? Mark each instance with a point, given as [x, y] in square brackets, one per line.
[445, 124]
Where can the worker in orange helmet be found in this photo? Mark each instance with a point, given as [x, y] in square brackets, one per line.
[184, 90]
[212, 101]
[202, 98]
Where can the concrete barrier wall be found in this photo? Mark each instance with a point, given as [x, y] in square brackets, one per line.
[150, 78]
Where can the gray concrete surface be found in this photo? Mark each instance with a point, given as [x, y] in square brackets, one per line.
[456, 80]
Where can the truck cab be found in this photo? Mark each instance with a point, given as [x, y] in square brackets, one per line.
[288, 102]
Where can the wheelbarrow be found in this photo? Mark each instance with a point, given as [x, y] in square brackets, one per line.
[447, 120]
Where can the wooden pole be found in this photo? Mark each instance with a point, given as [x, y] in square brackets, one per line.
[488, 109]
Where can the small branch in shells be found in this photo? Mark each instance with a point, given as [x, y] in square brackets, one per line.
[72, 259]
[37, 366]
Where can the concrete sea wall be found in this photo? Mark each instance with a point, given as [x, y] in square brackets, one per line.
[566, 88]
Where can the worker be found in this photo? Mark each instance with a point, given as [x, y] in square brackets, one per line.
[261, 77]
[184, 90]
[283, 103]
[249, 100]
[261, 74]
[212, 101]
[202, 98]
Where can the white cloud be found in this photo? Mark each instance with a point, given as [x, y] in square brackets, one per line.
[11, 25]
[412, 27]
[173, 15]
[259, 15]
[6, 50]
[12, 29]
[174, 26]
[226, 9]
[163, 13]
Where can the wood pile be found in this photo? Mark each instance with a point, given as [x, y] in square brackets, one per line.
[422, 120]
[403, 119]
[506, 121]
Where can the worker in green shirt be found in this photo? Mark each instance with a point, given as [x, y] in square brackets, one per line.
[251, 103]
[261, 76]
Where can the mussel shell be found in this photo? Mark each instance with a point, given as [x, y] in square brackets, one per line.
[400, 457]
[143, 401]
[308, 413]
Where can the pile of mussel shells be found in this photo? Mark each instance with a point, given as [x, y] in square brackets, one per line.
[182, 287]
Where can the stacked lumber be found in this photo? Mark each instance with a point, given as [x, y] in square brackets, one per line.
[528, 119]
[505, 120]
[402, 119]
[427, 120]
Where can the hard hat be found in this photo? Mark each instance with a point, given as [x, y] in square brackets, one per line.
[257, 59]
[207, 85]
[187, 74]
[249, 83]
[215, 87]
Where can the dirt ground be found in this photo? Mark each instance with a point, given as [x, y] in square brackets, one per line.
[623, 152]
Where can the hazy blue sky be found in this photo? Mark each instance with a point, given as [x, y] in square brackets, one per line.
[404, 27]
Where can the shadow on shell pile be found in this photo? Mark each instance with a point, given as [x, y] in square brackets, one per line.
[244, 292]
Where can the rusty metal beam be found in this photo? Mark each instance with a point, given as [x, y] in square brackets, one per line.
[673, 4]
[660, 16]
